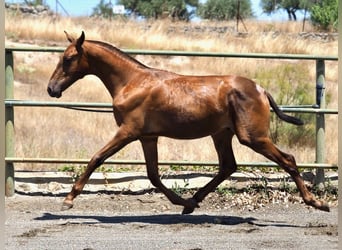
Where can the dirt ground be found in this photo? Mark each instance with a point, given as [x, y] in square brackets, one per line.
[147, 220]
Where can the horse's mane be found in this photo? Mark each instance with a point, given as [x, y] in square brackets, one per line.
[116, 51]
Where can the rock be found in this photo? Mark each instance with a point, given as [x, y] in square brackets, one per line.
[34, 10]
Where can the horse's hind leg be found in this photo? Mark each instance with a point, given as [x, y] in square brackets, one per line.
[251, 119]
[151, 157]
[227, 165]
[265, 147]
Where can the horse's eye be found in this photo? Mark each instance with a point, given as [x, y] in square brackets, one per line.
[67, 60]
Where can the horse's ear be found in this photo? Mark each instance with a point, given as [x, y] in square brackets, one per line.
[80, 41]
[70, 39]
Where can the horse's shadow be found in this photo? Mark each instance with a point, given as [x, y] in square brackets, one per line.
[164, 219]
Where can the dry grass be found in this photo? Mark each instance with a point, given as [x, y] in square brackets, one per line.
[45, 132]
[263, 37]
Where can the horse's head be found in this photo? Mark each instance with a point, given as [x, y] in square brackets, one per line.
[72, 66]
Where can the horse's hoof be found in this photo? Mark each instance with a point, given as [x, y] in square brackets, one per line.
[188, 210]
[66, 206]
[324, 207]
[321, 205]
[191, 208]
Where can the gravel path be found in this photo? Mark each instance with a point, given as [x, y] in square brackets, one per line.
[149, 221]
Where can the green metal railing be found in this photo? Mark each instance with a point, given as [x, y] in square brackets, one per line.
[319, 109]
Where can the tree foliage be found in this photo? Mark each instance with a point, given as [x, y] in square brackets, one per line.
[290, 6]
[325, 14]
[224, 9]
[177, 9]
[103, 9]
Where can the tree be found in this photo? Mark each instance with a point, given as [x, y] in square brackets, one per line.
[224, 9]
[103, 9]
[290, 6]
[325, 14]
[177, 9]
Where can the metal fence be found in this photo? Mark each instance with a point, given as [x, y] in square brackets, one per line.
[319, 109]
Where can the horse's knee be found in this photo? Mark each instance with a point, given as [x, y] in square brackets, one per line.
[227, 165]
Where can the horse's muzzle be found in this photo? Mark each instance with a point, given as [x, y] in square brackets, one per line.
[54, 92]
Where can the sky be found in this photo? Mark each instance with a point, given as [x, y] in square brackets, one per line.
[85, 7]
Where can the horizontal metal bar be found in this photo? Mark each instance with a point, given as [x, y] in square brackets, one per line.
[232, 55]
[24, 103]
[170, 163]
[34, 49]
[309, 110]
[28, 103]
[189, 53]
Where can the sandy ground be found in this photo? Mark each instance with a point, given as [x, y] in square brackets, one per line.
[147, 220]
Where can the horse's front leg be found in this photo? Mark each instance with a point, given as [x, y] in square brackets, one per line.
[151, 156]
[121, 139]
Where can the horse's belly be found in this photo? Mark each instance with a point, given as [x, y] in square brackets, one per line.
[183, 128]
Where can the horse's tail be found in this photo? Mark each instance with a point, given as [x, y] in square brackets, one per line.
[281, 114]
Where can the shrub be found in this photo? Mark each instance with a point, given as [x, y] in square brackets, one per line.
[325, 14]
[290, 85]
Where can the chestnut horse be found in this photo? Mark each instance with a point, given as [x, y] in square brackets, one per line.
[148, 103]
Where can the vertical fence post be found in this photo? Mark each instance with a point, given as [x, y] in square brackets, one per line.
[2, 122]
[9, 124]
[320, 122]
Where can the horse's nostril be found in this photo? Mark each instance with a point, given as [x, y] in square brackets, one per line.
[49, 90]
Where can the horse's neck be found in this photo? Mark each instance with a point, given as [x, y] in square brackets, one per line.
[114, 70]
